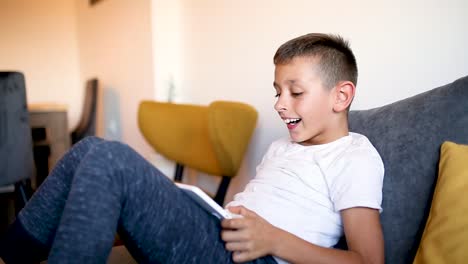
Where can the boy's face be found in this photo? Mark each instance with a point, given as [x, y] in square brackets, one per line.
[304, 105]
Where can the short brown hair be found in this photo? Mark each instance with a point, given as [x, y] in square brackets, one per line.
[336, 59]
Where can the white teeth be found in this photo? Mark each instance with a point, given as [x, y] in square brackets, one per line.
[292, 120]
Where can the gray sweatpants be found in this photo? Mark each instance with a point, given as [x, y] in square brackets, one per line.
[99, 187]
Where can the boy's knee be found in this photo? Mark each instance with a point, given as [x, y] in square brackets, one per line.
[115, 150]
[90, 140]
[85, 145]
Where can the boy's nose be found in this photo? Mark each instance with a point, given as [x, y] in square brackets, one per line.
[280, 105]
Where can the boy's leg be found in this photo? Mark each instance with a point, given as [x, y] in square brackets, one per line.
[114, 186]
[30, 237]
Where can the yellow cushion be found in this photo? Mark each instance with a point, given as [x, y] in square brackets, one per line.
[445, 237]
[212, 139]
[230, 126]
[179, 132]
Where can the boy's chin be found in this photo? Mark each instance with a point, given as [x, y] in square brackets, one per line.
[297, 140]
[301, 140]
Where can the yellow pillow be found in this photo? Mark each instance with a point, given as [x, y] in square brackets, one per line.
[445, 237]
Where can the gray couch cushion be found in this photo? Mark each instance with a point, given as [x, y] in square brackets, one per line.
[408, 135]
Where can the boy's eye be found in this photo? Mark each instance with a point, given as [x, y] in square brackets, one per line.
[277, 95]
[296, 94]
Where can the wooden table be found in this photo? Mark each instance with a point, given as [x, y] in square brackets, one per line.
[52, 117]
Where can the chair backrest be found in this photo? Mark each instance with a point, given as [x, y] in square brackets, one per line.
[16, 151]
[87, 124]
[230, 127]
[212, 139]
[408, 135]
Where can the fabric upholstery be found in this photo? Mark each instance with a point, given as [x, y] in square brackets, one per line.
[230, 126]
[211, 139]
[446, 234]
[16, 156]
[179, 132]
[408, 135]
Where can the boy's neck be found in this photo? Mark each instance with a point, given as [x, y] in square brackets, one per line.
[322, 141]
[338, 130]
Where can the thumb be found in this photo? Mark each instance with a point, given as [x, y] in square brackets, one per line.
[236, 209]
[241, 210]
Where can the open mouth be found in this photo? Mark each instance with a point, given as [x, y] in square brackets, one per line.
[292, 122]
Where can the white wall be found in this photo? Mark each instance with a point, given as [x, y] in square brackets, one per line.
[115, 46]
[39, 39]
[168, 54]
[402, 48]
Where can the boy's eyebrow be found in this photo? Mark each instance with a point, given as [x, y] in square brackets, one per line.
[288, 81]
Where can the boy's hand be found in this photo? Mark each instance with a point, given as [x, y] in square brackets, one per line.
[249, 237]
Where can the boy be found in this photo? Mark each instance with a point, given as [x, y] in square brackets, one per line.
[329, 178]
[308, 188]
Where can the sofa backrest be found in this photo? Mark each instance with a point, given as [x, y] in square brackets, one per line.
[408, 135]
[16, 151]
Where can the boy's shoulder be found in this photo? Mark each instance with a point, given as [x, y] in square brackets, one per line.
[360, 154]
[360, 144]
[353, 150]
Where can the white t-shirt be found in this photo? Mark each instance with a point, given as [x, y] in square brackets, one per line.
[301, 189]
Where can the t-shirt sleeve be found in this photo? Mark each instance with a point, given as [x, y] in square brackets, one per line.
[357, 180]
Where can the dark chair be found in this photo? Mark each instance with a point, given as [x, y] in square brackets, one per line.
[87, 124]
[16, 151]
[42, 151]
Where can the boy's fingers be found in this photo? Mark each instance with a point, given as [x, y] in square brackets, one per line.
[244, 211]
[240, 256]
[241, 210]
[235, 223]
[235, 246]
[233, 235]
[227, 236]
[235, 209]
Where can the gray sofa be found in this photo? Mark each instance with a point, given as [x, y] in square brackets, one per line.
[408, 135]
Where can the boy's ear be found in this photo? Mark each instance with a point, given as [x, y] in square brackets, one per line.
[344, 95]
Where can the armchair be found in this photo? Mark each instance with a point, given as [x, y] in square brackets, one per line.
[16, 151]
